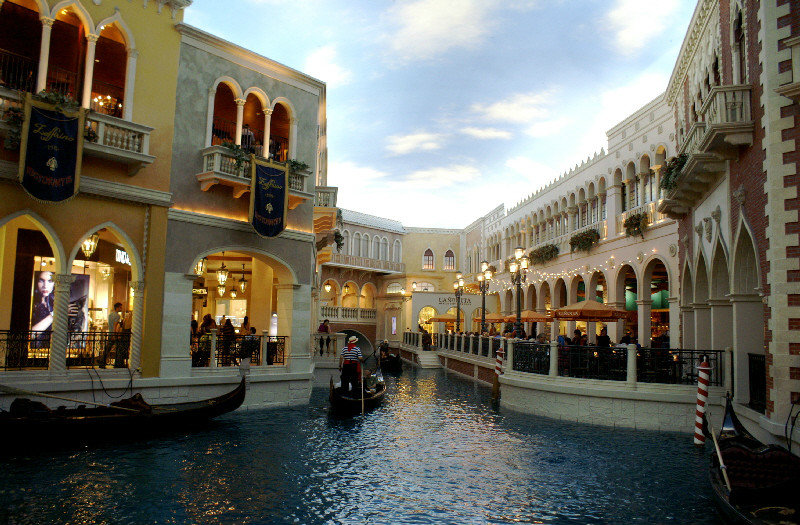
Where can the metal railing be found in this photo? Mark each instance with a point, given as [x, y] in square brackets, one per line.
[62, 81]
[98, 349]
[214, 350]
[17, 71]
[366, 262]
[220, 159]
[593, 362]
[533, 358]
[678, 366]
[222, 130]
[24, 350]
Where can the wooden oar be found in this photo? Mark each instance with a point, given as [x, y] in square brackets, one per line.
[722, 466]
[20, 392]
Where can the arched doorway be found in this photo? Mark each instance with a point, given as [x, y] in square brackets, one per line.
[108, 80]
[627, 293]
[424, 318]
[279, 133]
[367, 299]
[223, 127]
[656, 332]
[67, 54]
[560, 299]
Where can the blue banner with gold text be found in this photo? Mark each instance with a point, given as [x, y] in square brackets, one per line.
[269, 197]
[50, 151]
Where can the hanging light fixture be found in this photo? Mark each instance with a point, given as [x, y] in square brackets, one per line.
[200, 267]
[346, 289]
[327, 287]
[243, 281]
[89, 245]
[233, 293]
[222, 273]
[220, 290]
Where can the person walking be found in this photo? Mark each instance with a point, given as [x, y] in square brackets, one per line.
[325, 341]
[350, 365]
[114, 329]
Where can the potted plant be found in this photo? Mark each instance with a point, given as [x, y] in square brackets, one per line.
[14, 118]
[671, 171]
[635, 224]
[544, 254]
[583, 241]
[296, 166]
[239, 155]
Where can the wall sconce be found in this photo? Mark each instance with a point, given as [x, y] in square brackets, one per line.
[89, 245]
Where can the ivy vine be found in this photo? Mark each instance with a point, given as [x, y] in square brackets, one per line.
[544, 254]
[583, 241]
[671, 171]
[636, 224]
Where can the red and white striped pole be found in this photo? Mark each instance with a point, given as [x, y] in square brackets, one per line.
[702, 398]
[498, 369]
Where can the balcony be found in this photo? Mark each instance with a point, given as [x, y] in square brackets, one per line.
[345, 314]
[365, 263]
[219, 167]
[326, 196]
[116, 139]
[650, 210]
[725, 125]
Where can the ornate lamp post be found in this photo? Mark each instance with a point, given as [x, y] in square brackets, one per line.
[458, 287]
[483, 280]
[518, 267]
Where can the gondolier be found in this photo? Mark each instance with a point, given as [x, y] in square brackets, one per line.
[350, 364]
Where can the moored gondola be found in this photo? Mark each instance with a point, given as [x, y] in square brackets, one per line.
[32, 420]
[351, 402]
[392, 364]
[763, 481]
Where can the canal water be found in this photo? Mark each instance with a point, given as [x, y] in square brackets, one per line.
[437, 451]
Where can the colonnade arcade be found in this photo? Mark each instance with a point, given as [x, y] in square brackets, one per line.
[248, 118]
[348, 294]
[55, 306]
[62, 50]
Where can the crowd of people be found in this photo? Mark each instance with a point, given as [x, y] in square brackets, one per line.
[229, 353]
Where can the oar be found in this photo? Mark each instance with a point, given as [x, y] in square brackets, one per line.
[722, 466]
[362, 390]
[20, 392]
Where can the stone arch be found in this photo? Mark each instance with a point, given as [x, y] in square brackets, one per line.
[574, 286]
[351, 293]
[720, 277]
[331, 297]
[745, 269]
[619, 281]
[531, 298]
[49, 233]
[544, 297]
[597, 279]
[137, 269]
[701, 288]
[367, 297]
[559, 297]
[283, 270]
[80, 11]
[231, 83]
[259, 94]
[117, 20]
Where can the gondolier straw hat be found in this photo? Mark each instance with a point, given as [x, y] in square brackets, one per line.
[352, 339]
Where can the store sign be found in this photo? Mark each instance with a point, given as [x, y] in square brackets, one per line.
[269, 197]
[50, 151]
[451, 300]
[121, 256]
[199, 291]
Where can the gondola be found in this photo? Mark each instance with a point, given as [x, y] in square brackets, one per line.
[350, 402]
[32, 420]
[764, 479]
[392, 364]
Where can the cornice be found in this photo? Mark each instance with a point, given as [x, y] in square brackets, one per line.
[700, 18]
[246, 58]
[103, 188]
[232, 224]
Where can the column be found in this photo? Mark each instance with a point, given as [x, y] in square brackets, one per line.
[616, 328]
[687, 322]
[267, 128]
[88, 72]
[643, 307]
[212, 93]
[130, 77]
[175, 357]
[613, 209]
[702, 326]
[239, 119]
[135, 356]
[674, 322]
[44, 53]
[59, 336]
[292, 138]
[541, 326]
[573, 218]
[631, 374]
[721, 323]
[591, 331]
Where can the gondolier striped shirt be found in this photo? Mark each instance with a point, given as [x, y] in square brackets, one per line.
[351, 354]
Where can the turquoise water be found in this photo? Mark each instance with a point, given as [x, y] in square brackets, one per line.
[435, 452]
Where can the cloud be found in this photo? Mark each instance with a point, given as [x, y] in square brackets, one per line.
[427, 28]
[442, 176]
[486, 133]
[634, 22]
[547, 128]
[404, 144]
[519, 108]
[322, 64]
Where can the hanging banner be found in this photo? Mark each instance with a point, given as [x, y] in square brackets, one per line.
[50, 151]
[269, 197]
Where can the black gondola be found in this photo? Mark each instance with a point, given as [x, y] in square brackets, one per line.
[350, 402]
[32, 420]
[764, 479]
[392, 363]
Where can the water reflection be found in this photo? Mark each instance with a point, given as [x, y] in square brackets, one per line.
[435, 452]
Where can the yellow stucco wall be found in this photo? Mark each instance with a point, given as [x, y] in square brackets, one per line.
[415, 244]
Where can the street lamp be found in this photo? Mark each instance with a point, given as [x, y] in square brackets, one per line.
[517, 268]
[458, 286]
[483, 280]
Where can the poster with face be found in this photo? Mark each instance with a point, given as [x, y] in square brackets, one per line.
[43, 298]
[78, 309]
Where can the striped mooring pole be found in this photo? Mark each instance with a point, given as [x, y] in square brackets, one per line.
[498, 369]
[702, 398]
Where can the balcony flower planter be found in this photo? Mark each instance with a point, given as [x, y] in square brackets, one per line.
[583, 241]
[239, 155]
[671, 172]
[636, 224]
[544, 254]
[338, 238]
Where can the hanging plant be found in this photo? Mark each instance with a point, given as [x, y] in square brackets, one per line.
[239, 155]
[636, 224]
[671, 171]
[583, 241]
[296, 166]
[544, 254]
[14, 118]
[338, 238]
[60, 101]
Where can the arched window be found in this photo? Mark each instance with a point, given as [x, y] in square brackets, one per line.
[739, 48]
[424, 287]
[424, 318]
[376, 248]
[385, 249]
[397, 251]
[108, 82]
[394, 288]
[279, 134]
[356, 244]
[427, 260]
[346, 245]
[449, 260]
[223, 126]
[365, 246]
